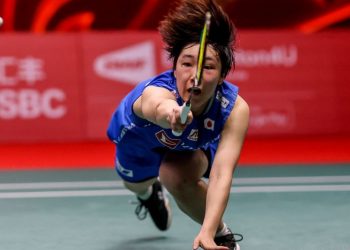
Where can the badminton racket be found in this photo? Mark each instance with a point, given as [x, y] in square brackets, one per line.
[186, 107]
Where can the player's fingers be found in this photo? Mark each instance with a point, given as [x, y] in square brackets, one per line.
[177, 114]
[195, 244]
[209, 246]
[175, 125]
[189, 118]
[221, 248]
[216, 248]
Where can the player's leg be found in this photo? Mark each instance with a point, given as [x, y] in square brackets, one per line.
[152, 199]
[181, 173]
[140, 175]
[141, 189]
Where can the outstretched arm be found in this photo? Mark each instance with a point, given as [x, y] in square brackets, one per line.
[220, 180]
[158, 105]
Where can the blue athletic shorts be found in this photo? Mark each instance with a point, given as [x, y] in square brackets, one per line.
[143, 164]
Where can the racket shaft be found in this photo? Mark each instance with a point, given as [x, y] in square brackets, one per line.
[202, 47]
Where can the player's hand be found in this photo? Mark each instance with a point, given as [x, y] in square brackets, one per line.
[174, 119]
[206, 243]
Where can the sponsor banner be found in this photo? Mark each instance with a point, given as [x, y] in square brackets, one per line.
[66, 86]
[114, 63]
[287, 78]
[39, 88]
[284, 77]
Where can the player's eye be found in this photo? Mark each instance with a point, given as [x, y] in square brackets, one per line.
[186, 64]
[208, 66]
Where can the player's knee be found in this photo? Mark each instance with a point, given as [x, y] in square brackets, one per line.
[180, 186]
[139, 187]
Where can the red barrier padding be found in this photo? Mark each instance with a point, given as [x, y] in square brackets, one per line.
[256, 151]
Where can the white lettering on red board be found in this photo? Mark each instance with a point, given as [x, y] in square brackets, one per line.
[27, 102]
[130, 64]
[278, 55]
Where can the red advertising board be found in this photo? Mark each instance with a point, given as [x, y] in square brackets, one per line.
[284, 76]
[113, 64]
[66, 86]
[39, 88]
[292, 81]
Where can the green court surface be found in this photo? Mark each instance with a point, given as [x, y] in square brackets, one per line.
[275, 208]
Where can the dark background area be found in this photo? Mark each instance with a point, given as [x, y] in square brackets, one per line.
[80, 15]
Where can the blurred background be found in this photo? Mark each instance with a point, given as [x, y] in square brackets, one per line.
[66, 64]
[106, 15]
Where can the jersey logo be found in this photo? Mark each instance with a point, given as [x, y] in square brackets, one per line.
[124, 171]
[223, 101]
[167, 141]
[193, 136]
[209, 124]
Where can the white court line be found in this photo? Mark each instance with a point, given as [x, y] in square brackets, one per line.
[71, 193]
[292, 180]
[55, 185]
[119, 184]
[122, 192]
[299, 188]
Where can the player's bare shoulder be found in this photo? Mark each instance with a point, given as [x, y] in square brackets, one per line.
[241, 106]
[239, 116]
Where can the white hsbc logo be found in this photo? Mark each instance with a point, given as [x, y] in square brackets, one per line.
[130, 65]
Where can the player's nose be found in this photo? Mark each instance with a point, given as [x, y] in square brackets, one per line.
[193, 77]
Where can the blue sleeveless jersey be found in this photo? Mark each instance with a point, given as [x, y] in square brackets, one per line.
[139, 141]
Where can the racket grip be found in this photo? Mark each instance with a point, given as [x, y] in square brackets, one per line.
[176, 133]
[184, 113]
[183, 117]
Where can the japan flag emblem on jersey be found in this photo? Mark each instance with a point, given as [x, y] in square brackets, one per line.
[209, 124]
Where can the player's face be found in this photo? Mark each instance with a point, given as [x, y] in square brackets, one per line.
[185, 73]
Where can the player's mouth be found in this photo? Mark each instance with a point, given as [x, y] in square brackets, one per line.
[195, 91]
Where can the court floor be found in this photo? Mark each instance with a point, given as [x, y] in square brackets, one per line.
[274, 207]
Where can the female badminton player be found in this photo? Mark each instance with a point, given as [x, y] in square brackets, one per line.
[161, 143]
